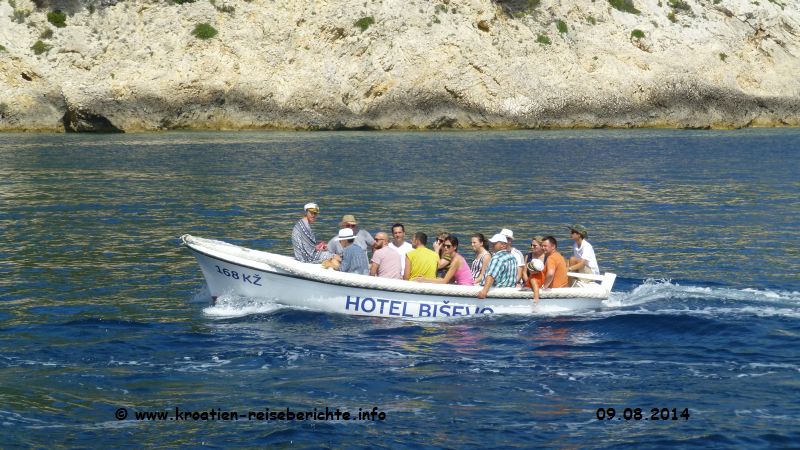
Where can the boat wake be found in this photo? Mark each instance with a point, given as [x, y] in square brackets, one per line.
[665, 296]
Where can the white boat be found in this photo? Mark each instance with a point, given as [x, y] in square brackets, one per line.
[231, 270]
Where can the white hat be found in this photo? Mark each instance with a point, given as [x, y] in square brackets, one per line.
[507, 233]
[536, 265]
[345, 234]
[311, 206]
[498, 238]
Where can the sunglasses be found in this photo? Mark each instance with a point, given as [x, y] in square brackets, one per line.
[350, 225]
[448, 246]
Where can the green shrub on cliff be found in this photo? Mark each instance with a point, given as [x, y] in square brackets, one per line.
[2, 49]
[529, 7]
[223, 8]
[680, 4]
[57, 18]
[364, 22]
[561, 26]
[20, 15]
[624, 6]
[46, 34]
[637, 34]
[204, 31]
[542, 39]
[40, 47]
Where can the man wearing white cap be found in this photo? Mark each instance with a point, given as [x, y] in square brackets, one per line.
[502, 267]
[354, 259]
[304, 242]
[517, 255]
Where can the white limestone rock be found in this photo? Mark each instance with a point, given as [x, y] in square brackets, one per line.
[421, 64]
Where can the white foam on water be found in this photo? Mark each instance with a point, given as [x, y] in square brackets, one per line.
[230, 307]
[200, 366]
[655, 296]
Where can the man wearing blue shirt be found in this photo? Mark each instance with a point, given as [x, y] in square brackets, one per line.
[354, 258]
[502, 270]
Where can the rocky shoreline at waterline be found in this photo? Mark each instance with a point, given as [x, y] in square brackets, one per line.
[287, 64]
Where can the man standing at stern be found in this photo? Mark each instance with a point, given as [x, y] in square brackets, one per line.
[304, 242]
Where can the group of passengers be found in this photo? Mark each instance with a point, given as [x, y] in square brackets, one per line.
[543, 267]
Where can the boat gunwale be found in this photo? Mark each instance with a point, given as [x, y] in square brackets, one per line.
[196, 246]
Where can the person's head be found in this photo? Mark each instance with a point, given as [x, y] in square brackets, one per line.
[442, 236]
[420, 238]
[578, 232]
[349, 221]
[508, 234]
[549, 245]
[450, 245]
[478, 240]
[398, 233]
[381, 240]
[536, 245]
[499, 242]
[311, 212]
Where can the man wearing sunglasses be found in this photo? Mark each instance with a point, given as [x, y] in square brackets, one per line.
[362, 238]
[385, 261]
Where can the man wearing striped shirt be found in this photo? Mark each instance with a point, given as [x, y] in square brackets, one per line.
[502, 270]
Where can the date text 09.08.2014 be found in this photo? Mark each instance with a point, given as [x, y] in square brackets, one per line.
[656, 414]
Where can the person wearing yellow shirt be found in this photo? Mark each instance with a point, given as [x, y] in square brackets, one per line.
[422, 261]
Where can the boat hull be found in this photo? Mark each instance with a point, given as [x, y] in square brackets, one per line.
[226, 277]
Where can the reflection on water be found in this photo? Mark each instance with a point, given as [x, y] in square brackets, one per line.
[100, 302]
[81, 212]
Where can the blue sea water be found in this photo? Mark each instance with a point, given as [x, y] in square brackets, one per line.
[103, 315]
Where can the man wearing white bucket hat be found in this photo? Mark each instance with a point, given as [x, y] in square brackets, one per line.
[304, 242]
[354, 258]
[502, 267]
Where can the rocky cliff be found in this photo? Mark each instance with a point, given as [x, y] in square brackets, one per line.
[133, 65]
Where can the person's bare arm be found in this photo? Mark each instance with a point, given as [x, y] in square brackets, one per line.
[548, 279]
[485, 291]
[407, 270]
